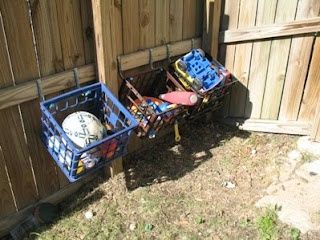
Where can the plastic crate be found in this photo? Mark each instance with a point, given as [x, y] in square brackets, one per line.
[98, 100]
[141, 91]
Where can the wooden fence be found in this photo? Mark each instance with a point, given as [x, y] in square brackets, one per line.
[273, 48]
[47, 39]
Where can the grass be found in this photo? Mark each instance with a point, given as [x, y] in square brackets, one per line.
[166, 194]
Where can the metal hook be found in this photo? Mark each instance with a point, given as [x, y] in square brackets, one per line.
[39, 88]
[168, 53]
[192, 43]
[150, 58]
[120, 71]
[76, 77]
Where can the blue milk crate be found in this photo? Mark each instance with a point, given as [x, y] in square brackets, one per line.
[98, 100]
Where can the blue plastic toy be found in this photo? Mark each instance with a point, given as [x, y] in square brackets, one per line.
[197, 71]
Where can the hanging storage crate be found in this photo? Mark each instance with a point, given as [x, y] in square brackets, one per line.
[200, 73]
[140, 94]
[76, 162]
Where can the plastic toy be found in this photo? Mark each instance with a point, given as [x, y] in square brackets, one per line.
[197, 72]
[180, 97]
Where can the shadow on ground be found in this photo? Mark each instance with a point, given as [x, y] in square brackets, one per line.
[166, 160]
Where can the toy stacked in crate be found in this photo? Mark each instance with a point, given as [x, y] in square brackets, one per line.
[142, 95]
[85, 129]
[205, 76]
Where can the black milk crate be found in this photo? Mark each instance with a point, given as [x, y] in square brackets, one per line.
[136, 92]
[212, 99]
[97, 99]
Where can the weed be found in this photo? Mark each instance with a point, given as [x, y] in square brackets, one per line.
[295, 234]
[268, 225]
[244, 223]
[200, 220]
[307, 157]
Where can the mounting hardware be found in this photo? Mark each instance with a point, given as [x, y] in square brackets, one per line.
[76, 77]
[150, 58]
[192, 43]
[120, 71]
[168, 53]
[39, 88]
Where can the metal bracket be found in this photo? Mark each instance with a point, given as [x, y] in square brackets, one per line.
[150, 58]
[76, 77]
[39, 88]
[168, 53]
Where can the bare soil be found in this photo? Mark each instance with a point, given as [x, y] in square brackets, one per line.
[180, 191]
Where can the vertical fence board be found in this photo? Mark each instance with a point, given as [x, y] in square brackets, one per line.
[229, 20]
[242, 60]
[7, 205]
[299, 58]
[107, 22]
[24, 67]
[47, 37]
[176, 18]
[162, 22]
[130, 21]
[311, 95]
[71, 33]
[46, 29]
[147, 23]
[259, 62]
[199, 17]
[189, 19]
[277, 63]
[211, 26]
[87, 30]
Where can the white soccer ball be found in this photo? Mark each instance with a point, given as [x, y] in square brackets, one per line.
[83, 128]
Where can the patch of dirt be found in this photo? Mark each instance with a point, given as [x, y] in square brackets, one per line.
[180, 191]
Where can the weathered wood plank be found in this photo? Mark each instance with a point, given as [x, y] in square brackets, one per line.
[87, 30]
[242, 60]
[259, 62]
[277, 63]
[162, 22]
[69, 18]
[147, 23]
[199, 18]
[176, 20]
[270, 126]
[229, 20]
[311, 95]
[211, 25]
[14, 95]
[305, 26]
[141, 58]
[189, 19]
[7, 204]
[47, 36]
[299, 59]
[107, 22]
[131, 32]
[24, 66]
